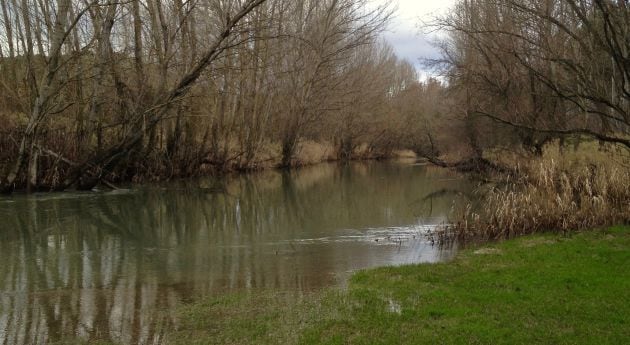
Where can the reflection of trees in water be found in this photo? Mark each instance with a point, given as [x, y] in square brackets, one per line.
[71, 279]
[113, 265]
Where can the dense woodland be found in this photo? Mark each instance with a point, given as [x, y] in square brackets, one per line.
[103, 91]
[523, 74]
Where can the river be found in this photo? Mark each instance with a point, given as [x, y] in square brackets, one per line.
[116, 264]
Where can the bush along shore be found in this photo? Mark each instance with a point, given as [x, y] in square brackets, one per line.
[537, 289]
[561, 191]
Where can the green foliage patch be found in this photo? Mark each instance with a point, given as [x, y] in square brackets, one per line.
[538, 289]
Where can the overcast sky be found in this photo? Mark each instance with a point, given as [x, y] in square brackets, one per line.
[404, 33]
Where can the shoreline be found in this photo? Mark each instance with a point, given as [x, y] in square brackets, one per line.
[113, 184]
[533, 289]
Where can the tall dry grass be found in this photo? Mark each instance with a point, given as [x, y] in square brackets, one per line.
[553, 193]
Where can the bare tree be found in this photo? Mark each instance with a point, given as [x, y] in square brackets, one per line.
[139, 118]
[541, 68]
[103, 90]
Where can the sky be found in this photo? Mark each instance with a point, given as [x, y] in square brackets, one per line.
[405, 35]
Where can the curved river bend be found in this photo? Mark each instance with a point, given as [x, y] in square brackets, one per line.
[110, 265]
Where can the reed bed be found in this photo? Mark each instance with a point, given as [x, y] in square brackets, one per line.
[547, 196]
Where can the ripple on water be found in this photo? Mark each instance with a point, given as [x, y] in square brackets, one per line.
[384, 236]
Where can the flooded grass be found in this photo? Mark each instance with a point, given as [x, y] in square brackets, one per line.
[536, 289]
[116, 265]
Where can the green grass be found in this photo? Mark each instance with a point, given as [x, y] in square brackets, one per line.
[544, 289]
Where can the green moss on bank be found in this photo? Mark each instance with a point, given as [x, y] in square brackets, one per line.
[543, 289]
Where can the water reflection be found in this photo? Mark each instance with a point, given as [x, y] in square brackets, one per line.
[113, 265]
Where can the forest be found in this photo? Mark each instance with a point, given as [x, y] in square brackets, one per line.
[539, 96]
[105, 91]
[160, 176]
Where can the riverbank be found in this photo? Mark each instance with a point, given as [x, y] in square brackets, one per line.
[535, 289]
[153, 168]
[563, 190]
[118, 265]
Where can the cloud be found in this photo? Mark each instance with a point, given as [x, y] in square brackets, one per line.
[412, 47]
[404, 32]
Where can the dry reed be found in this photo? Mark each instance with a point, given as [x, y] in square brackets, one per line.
[546, 197]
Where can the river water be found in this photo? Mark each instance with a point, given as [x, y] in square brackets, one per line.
[116, 264]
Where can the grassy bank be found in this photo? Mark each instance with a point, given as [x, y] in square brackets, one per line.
[535, 289]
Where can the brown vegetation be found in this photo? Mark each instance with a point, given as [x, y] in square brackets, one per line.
[560, 191]
[520, 76]
[104, 91]
[523, 73]
[98, 91]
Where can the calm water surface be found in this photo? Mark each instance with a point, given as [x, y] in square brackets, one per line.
[110, 265]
